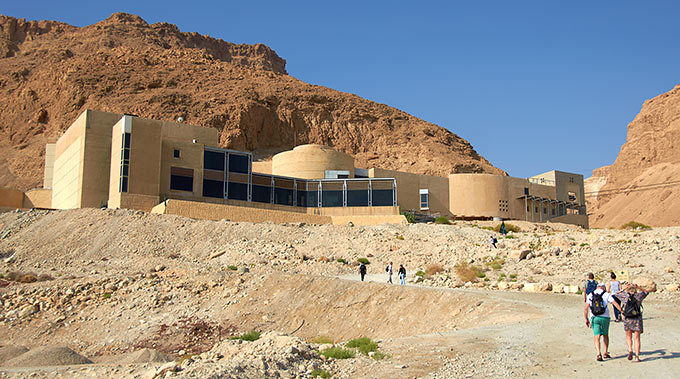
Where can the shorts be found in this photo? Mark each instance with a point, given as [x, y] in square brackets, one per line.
[600, 325]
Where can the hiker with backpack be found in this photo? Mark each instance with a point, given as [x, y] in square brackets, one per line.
[596, 312]
[362, 271]
[402, 275]
[388, 269]
[613, 288]
[591, 285]
[631, 299]
[493, 241]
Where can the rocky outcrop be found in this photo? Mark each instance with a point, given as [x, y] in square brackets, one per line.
[643, 183]
[52, 71]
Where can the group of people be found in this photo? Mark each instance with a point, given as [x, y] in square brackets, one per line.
[388, 269]
[627, 305]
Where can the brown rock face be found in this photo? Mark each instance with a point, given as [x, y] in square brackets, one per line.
[643, 184]
[51, 71]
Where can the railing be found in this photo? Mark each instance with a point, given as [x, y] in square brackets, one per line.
[545, 182]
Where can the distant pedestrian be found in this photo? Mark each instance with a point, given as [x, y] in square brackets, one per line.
[362, 271]
[631, 299]
[596, 312]
[402, 275]
[614, 287]
[591, 285]
[503, 230]
[493, 241]
[389, 272]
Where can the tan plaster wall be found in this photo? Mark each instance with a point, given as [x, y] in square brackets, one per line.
[145, 157]
[136, 201]
[11, 198]
[191, 156]
[50, 150]
[409, 186]
[478, 195]
[208, 211]
[38, 198]
[115, 162]
[574, 219]
[262, 167]
[68, 167]
[96, 158]
[311, 162]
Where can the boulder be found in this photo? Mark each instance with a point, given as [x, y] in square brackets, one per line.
[645, 283]
[519, 255]
[672, 288]
[503, 285]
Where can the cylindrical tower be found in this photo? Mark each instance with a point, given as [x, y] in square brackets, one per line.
[311, 162]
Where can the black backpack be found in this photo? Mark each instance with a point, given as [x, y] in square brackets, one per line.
[387, 269]
[597, 304]
[632, 308]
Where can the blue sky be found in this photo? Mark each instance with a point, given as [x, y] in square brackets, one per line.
[533, 85]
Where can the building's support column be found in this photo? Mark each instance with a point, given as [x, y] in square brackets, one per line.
[526, 210]
[344, 193]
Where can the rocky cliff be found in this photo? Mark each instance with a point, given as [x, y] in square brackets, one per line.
[50, 72]
[643, 184]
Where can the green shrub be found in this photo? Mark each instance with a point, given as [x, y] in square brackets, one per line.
[364, 344]
[320, 373]
[474, 226]
[337, 352]
[420, 273]
[510, 236]
[502, 275]
[106, 295]
[487, 279]
[410, 217]
[481, 274]
[340, 260]
[496, 263]
[442, 220]
[584, 244]
[364, 261]
[635, 225]
[508, 227]
[579, 292]
[232, 268]
[322, 340]
[400, 237]
[250, 336]
[488, 228]
[380, 355]
[513, 276]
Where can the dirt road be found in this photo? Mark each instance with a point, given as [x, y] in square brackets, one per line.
[555, 345]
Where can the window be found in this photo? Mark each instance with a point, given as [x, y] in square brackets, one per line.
[526, 191]
[175, 153]
[572, 196]
[424, 199]
[181, 179]
[213, 160]
[124, 163]
[238, 163]
[535, 209]
[571, 179]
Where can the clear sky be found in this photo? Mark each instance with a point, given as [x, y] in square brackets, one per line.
[533, 85]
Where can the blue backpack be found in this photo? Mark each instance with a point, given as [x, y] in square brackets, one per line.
[591, 286]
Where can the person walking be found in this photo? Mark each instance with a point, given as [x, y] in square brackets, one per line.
[389, 272]
[402, 275]
[613, 288]
[596, 312]
[590, 286]
[362, 271]
[493, 242]
[631, 299]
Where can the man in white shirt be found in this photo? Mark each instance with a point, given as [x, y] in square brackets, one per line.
[596, 312]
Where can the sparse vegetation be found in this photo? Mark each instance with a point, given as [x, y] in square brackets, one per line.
[232, 268]
[250, 336]
[584, 244]
[106, 295]
[410, 217]
[635, 225]
[510, 236]
[364, 261]
[513, 276]
[340, 260]
[624, 241]
[434, 269]
[337, 352]
[420, 273]
[364, 344]
[322, 340]
[488, 228]
[467, 272]
[442, 220]
[481, 274]
[496, 264]
[26, 277]
[400, 237]
[320, 373]
[535, 245]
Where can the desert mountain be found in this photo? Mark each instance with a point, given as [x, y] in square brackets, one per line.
[50, 72]
[643, 184]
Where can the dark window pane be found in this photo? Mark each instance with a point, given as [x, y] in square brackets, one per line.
[126, 140]
[301, 198]
[213, 188]
[357, 198]
[238, 163]
[423, 198]
[126, 154]
[126, 168]
[383, 198]
[331, 199]
[283, 196]
[123, 184]
[181, 183]
[262, 194]
[237, 191]
[526, 191]
[175, 153]
[213, 160]
[312, 198]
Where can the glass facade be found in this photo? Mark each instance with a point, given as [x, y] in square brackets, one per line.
[124, 163]
[238, 182]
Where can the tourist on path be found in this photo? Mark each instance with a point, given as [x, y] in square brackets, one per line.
[362, 271]
[613, 288]
[596, 312]
[493, 242]
[402, 275]
[389, 272]
[631, 300]
[591, 285]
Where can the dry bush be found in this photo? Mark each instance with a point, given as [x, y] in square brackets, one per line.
[28, 278]
[44, 277]
[14, 276]
[467, 272]
[323, 259]
[434, 269]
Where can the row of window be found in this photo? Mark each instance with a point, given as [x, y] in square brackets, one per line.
[124, 163]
